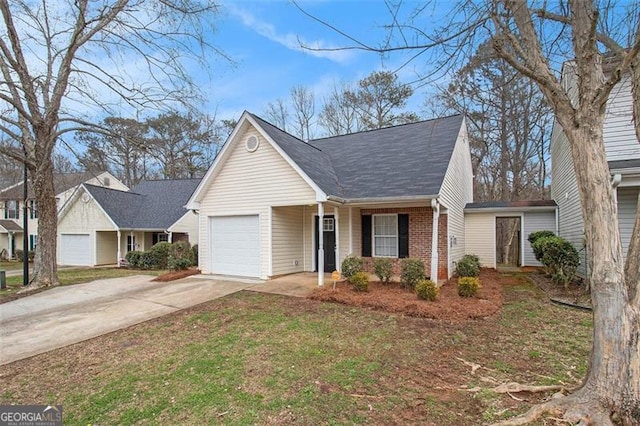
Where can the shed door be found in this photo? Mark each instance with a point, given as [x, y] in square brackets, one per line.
[75, 249]
[235, 245]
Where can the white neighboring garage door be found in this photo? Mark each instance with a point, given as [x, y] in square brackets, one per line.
[235, 245]
[75, 249]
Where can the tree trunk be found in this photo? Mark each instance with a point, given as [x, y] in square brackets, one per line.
[45, 265]
[613, 380]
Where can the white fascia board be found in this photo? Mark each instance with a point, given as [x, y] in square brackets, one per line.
[512, 209]
[170, 228]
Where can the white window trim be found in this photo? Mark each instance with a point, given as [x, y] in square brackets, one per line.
[373, 235]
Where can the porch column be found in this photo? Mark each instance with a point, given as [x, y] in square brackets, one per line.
[119, 246]
[336, 227]
[350, 230]
[320, 264]
[170, 238]
[435, 206]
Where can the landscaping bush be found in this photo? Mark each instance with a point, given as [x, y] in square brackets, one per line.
[149, 260]
[383, 268]
[468, 286]
[161, 251]
[468, 266]
[194, 255]
[31, 255]
[427, 290]
[133, 258]
[559, 257]
[360, 281]
[19, 254]
[537, 248]
[351, 265]
[413, 271]
[180, 256]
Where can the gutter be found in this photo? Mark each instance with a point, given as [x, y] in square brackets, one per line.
[381, 200]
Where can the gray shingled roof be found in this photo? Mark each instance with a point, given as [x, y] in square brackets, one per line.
[624, 164]
[61, 183]
[399, 161]
[153, 204]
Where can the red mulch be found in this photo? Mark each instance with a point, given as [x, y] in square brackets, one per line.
[176, 275]
[448, 306]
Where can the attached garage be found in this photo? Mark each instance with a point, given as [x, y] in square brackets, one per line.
[75, 249]
[235, 245]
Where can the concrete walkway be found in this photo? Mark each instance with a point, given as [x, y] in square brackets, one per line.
[65, 315]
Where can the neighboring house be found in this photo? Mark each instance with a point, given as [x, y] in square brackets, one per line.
[99, 226]
[272, 204]
[623, 155]
[12, 205]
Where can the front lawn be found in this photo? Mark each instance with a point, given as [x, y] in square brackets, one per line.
[9, 265]
[75, 276]
[253, 358]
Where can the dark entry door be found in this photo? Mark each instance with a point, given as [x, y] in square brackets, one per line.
[329, 239]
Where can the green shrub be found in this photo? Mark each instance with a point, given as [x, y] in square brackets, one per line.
[133, 258]
[194, 255]
[351, 265]
[468, 266]
[19, 254]
[468, 286]
[31, 255]
[383, 268]
[559, 257]
[360, 281]
[149, 260]
[180, 256]
[427, 290]
[413, 271]
[161, 251]
[538, 248]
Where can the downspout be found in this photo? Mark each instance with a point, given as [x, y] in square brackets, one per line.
[336, 228]
[435, 206]
[320, 264]
[615, 181]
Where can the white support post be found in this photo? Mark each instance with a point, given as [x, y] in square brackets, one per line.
[350, 230]
[320, 244]
[119, 247]
[435, 205]
[336, 227]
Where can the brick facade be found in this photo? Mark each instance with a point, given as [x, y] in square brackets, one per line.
[420, 230]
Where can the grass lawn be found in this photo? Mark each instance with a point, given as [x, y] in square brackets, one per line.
[253, 358]
[76, 276]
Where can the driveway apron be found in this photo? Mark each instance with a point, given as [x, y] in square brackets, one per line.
[65, 315]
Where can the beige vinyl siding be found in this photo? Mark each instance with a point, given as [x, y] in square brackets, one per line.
[141, 244]
[83, 218]
[106, 247]
[564, 190]
[456, 192]
[619, 133]
[627, 210]
[187, 224]
[531, 222]
[480, 230]
[250, 183]
[288, 240]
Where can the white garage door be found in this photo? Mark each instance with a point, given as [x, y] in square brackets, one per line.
[75, 249]
[235, 245]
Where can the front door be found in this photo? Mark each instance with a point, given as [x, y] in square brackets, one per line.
[329, 239]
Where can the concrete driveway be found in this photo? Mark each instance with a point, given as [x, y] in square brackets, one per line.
[64, 315]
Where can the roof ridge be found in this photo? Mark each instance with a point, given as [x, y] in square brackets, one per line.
[284, 131]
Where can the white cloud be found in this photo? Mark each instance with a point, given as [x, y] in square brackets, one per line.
[290, 40]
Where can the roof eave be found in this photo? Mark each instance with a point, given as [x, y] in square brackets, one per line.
[383, 200]
[510, 209]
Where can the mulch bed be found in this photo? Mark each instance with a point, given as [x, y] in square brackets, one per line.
[448, 306]
[176, 275]
[573, 295]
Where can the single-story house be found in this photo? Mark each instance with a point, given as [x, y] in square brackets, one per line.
[100, 225]
[272, 204]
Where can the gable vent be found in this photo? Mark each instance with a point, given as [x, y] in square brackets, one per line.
[251, 144]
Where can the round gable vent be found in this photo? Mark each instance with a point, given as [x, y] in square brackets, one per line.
[251, 144]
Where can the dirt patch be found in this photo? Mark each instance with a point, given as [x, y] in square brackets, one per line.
[448, 306]
[574, 294]
[176, 275]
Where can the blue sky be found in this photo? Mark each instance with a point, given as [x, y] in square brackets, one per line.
[262, 38]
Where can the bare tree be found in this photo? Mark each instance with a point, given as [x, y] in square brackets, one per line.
[304, 108]
[532, 39]
[61, 63]
[339, 115]
[277, 113]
